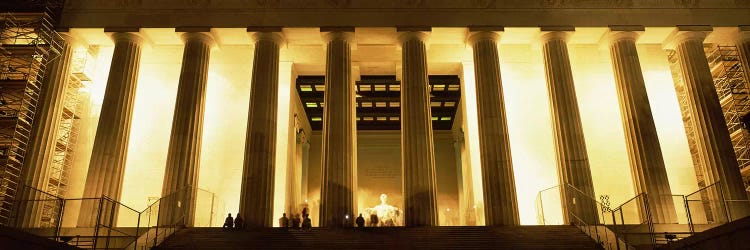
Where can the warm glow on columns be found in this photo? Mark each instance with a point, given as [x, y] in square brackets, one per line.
[501, 205]
[282, 140]
[471, 137]
[713, 139]
[257, 191]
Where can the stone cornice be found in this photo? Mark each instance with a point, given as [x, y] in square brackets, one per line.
[396, 4]
[392, 13]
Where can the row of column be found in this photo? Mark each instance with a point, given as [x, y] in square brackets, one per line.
[337, 196]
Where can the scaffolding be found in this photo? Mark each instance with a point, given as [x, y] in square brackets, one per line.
[690, 132]
[732, 89]
[734, 95]
[28, 43]
[67, 136]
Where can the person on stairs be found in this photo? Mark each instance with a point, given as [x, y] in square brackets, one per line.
[239, 223]
[296, 221]
[228, 222]
[306, 222]
[360, 221]
[283, 221]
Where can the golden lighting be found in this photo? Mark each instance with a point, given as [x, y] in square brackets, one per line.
[526, 103]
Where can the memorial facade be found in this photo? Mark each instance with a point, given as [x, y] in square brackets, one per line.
[422, 113]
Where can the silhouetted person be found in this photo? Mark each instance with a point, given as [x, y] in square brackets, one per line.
[305, 212]
[296, 221]
[228, 222]
[238, 222]
[360, 221]
[306, 222]
[284, 221]
[373, 220]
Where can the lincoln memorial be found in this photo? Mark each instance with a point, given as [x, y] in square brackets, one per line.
[410, 113]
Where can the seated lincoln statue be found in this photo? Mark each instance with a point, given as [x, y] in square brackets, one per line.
[386, 214]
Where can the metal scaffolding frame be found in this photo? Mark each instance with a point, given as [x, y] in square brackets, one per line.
[734, 95]
[28, 43]
[67, 137]
[690, 133]
[732, 89]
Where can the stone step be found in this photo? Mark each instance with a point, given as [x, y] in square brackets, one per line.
[511, 237]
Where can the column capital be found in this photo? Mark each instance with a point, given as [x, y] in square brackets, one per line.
[133, 37]
[405, 36]
[624, 32]
[337, 35]
[276, 37]
[684, 33]
[615, 36]
[548, 36]
[477, 36]
[203, 37]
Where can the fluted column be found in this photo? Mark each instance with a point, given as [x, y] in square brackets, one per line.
[256, 195]
[500, 204]
[44, 134]
[184, 152]
[337, 183]
[644, 151]
[712, 135]
[107, 165]
[570, 148]
[417, 153]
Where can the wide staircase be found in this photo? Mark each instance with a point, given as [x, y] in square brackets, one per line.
[510, 237]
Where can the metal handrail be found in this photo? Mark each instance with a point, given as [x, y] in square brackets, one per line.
[703, 188]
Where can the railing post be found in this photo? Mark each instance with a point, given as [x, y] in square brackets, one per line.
[688, 215]
[158, 215]
[111, 218]
[211, 214]
[98, 218]
[649, 220]
[614, 224]
[724, 201]
[59, 219]
[541, 209]
[137, 229]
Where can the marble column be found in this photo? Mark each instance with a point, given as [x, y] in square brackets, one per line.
[107, 165]
[417, 152]
[184, 152]
[337, 184]
[712, 135]
[293, 198]
[44, 134]
[573, 169]
[644, 151]
[500, 204]
[256, 195]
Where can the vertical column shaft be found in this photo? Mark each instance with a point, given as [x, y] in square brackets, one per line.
[337, 195]
[500, 204]
[256, 195]
[44, 134]
[107, 165]
[417, 150]
[712, 135]
[184, 152]
[644, 151]
[570, 148]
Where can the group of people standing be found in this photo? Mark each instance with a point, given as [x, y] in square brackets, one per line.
[295, 222]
